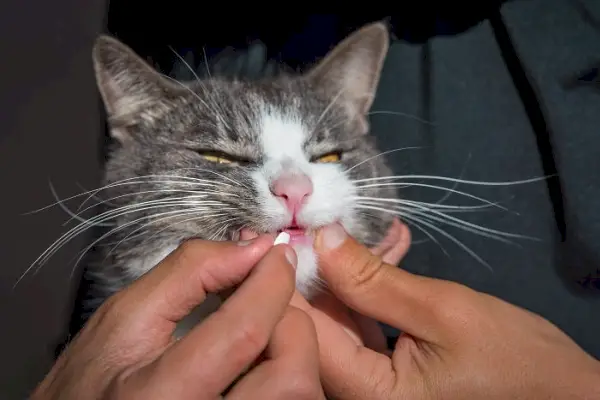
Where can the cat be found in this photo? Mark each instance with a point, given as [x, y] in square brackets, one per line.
[227, 159]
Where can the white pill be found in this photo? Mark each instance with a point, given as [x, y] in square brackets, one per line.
[283, 237]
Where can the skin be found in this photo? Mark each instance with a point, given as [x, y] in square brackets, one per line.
[127, 350]
[457, 343]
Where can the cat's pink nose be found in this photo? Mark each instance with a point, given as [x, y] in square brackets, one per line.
[293, 189]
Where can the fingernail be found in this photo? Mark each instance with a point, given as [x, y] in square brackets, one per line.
[290, 254]
[333, 236]
[244, 242]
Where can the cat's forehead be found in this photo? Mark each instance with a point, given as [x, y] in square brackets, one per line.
[255, 115]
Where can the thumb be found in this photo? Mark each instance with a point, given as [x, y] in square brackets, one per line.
[365, 283]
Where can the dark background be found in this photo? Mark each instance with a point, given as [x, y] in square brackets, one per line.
[51, 128]
[292, 37]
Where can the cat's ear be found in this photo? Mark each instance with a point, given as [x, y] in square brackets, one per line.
[128, 85]
[352, 69]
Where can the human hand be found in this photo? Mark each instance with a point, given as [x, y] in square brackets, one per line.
[456, 343]
[127, 349]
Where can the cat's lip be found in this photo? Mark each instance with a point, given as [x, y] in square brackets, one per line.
[297, 235]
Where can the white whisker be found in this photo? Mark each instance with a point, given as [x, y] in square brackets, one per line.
[206, 62]
[198, 194]
[401, 114]
[98, 198]
[379, 155]
[448, 194]
[326, 110]
[465, 194]
[59, 202]
[416, 222]
[455, 240]
[192, 211]
[117, 229]
[457, 222]
[143, 179]
[155, 218]
[431, 205]
[163, 179]
[464, 181]
[106, 216]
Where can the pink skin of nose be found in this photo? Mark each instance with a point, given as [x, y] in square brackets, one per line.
[293, 189]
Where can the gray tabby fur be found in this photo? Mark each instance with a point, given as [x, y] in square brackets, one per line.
[159, 125]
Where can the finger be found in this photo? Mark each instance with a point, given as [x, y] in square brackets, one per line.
[370, 332]
[291, 368]
[395, 243]
[400, 242]
[182, 280]
[363, 330]
[374, 288]
[346, 366]
[218, 350]
[341, 314]
[348, 369]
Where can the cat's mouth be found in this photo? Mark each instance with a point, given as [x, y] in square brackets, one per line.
[298, 235]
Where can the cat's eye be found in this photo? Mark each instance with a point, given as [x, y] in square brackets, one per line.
[219, 157]
[329, 158]
[216, 159]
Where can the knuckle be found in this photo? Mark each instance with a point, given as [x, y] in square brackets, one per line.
[251, 336]
[193, 252]
[112, 305]
[452, 302]
[110, 313]
[187, 246]
[186, 250]
[366, 270]
[459, 295]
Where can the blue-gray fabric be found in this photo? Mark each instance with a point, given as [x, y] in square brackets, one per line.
[482, 131]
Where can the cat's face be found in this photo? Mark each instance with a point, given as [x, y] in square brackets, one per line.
[227, 160]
